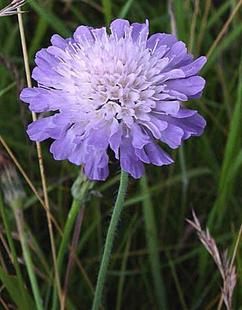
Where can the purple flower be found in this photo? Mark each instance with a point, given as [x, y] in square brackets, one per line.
[121, 91]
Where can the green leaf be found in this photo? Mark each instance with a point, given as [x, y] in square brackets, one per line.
[11, 284]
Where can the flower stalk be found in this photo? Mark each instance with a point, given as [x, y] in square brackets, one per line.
[118, 207]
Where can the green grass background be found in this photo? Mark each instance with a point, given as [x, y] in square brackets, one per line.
[157, 261]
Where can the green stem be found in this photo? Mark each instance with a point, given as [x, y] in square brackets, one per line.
[80, 192]
[75, 207]
[109, 240]
[27, 258]
[153, 245]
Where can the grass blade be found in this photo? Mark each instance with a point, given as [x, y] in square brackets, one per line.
[14, 284]
[153, 245]
[107, 10]
[125, 9]
[51, 18]
[231, 151]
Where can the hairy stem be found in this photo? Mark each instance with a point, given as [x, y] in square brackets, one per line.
[109, 240]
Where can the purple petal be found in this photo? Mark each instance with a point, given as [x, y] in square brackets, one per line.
[129, 161]
[47, 78]
[140, 32]
[155, 125]
[45, 60]
[192, 126]
[189, 86]
[45, 128]
[99, 33]
[41, 99]
[58, 52]
[99, 138]
[63, 147]
[142, 155]
[183, 113]
[171, 75]
[58, 41]
[78, 154]
[194, 67]
[118, 27]
[161, 39]
[83, 34]
[172, 136]
[34, 96]
[96, 167]
[169, 107]
[115, 137]
[176, 54]
[140, 138]
[156, 155]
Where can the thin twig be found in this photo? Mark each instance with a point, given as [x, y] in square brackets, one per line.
[5, 306]
[224, 29]
[40, 158]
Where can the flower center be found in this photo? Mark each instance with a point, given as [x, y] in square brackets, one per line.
[112, 79]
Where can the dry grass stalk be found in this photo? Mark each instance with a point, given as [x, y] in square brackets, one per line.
[40, 158]
[12, 8]
[223, 262]
[224, 29]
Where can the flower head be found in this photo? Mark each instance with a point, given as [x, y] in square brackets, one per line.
[120, 91]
